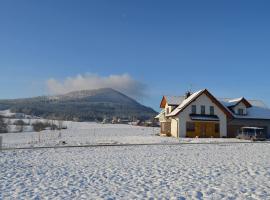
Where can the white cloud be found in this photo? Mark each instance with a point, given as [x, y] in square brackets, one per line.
[123, 83]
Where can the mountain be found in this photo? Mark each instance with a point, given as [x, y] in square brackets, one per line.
[85, 105]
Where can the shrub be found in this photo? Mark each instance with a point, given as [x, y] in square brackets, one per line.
[39, 126]
[19, 123]
[3, 125]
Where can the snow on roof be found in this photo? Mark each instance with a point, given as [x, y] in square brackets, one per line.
[259, 109]
[174, 100]
[184, 103]
[230, 102]
[236, 100]
[162, 112]
[255, 112]
[258, 103]
[247, 127]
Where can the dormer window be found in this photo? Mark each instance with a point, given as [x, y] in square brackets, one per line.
[239, 106]
[203, 110]
[240, 111]
[193, 109]
[167, 111]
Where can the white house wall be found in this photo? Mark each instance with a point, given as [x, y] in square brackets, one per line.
[170, 108]
[162, 117]
[206, 101]
[174, 127]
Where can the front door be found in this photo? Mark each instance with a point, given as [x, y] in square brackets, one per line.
[203, 129]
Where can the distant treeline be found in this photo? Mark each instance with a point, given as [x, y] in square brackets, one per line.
[36, 125]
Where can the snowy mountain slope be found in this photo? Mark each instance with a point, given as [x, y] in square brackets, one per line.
[87, 105]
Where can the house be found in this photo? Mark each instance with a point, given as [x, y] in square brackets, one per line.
[200, 114]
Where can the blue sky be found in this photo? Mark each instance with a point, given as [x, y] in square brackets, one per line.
[165, 45]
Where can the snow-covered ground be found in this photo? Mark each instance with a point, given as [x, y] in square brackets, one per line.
[195, 171]
[88, 133]
[207, 171]
[85, 133]
[6, 113]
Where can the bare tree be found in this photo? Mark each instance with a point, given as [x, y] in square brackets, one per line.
[38, 126]
[60, 124]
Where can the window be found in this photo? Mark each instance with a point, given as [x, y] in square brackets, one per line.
[168, 110]
[212, 110]
[240, 111]
[203, 110]
[193, 109]
[216, 128]
[190, 126]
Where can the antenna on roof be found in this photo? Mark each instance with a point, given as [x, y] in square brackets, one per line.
[190, 88]
[189, 91]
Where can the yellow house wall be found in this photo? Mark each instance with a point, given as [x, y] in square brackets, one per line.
[210, 130]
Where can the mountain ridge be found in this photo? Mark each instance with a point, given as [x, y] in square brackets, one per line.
[83, 105]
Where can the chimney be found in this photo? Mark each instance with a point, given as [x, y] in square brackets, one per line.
[188, 93]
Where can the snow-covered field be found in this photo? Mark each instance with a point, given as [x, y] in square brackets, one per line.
[194, 171]
[85, 133]
[88, 133]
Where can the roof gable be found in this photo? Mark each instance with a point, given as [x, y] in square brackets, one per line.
[229, 102]
[163, 102]
[242, 100]
[194, 96]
